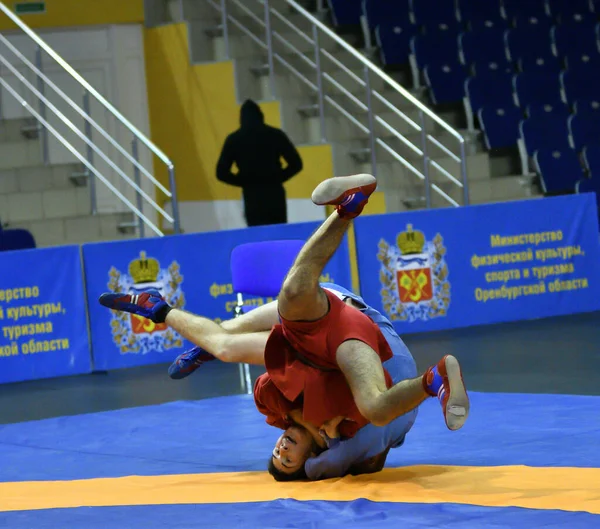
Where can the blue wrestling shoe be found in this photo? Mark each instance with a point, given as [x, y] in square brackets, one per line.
[150, 304]
[186, 363]
[349, 193]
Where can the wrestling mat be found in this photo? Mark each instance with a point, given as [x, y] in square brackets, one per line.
[520, 461]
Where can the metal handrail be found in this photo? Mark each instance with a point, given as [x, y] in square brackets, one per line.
[370, 72]
[90, 122]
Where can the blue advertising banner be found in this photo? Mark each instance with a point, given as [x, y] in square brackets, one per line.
[192, 272]
[42, 315]
[456, 267]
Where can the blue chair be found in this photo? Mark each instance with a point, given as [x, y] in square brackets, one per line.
[583, 130]
[541, 64]
[589, 185]
[378, 12]
[448, 27]
[574, 37]
[577, 85]
[543, 132]
[583, 63]
[446, 82]
[16, 240]
[345, 12]
[528, 8]
[470, 10]
[500, 126]
[558, 109]
[478, 24]
[424, 11]
[535, 87]
[487, 89]
[486, 44]
[531, 41]
[259, 269]
[434, 48]
[591, 159]
[569, 10]
[532, 21]
[587, 106]
[559, 170]
[393, 41]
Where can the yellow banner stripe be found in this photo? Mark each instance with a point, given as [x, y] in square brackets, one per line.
[569, 489]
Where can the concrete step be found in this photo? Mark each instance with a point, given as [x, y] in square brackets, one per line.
[23, 153]
[49, 204]
[16, 130]
[41, 178]
[77, 229]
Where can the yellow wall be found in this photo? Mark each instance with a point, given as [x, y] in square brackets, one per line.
[192, 110]
[62, 13]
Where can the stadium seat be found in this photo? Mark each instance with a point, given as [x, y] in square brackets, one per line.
[345, 12]
[448, 27]
[477, 24]
[583, 63]
[589, 185]
[574, 38]
[16, 240]
[583, 130]
[564, 10]
[489, 90]
[500, 125]
[559, 170]
[446, 82]
[434, 49]
[523, 8]
[576, 85]
[587, 106]
[486, 44]
[467, 10]
[388, 12]
[425, 11]
[543, 64]
[491, 68]
[528, 42]
[528, 21]
[533, 87]
[393, 42]
[544, 132]
[591, 159]
[558, 109]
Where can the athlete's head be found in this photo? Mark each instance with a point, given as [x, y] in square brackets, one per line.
[291, 451]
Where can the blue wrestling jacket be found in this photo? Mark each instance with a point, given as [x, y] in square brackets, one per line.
[369, 440]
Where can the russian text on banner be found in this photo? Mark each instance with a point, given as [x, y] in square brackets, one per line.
[455, 267]
[42, 315]
[191, 271]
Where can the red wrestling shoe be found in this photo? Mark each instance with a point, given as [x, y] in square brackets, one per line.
[349, 193]
[445, 382]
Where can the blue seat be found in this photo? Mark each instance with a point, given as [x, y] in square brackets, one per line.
[584, 129]
[576, 86]
[534, 87]
[449, 27]
[489, 90]
[524, 8]
[559, 170]
[16, 239]
[590, 185]
[446, 82]
[425, 11]
[434, 49]
[528, 42]
[393, 41]
[485, 67]
[574, 37]
[378, 12]
[532, 21]
[500, 125]
[587, 106]
[467, 10]
[544, 132]
[558, 109]
[345, 12]
[542, 64]
[564, 10]
[583, 63]
[477, 24]
[591, 160]
[486, 44]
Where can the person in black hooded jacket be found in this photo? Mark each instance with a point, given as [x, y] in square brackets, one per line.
[257, 150]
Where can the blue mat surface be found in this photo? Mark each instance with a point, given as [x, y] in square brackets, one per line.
[361, 514]
[189, 437]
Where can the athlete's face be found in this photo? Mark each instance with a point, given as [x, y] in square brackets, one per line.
[292, 449]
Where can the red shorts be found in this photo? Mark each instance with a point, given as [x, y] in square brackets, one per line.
[320, 388]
